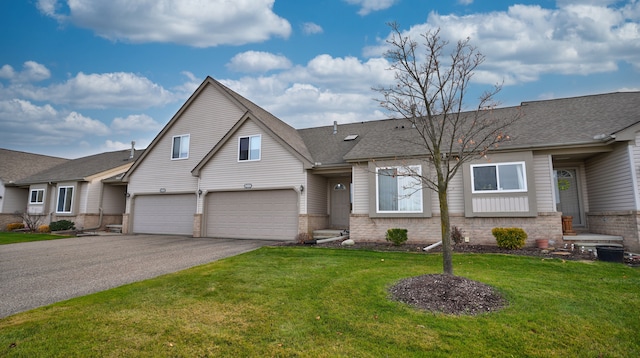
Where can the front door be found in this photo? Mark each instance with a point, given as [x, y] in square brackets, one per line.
[568, 195]
[340, 202]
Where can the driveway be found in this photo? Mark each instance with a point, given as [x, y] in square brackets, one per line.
[39, 273]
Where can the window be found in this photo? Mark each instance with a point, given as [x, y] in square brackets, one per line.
[37, 196]
[249, 148]
[503, 177]
[398, 190]
[65, 199]
[180, 149]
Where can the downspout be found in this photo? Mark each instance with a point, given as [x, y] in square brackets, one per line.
[432, 246]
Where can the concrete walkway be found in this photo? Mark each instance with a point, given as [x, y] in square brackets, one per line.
[39, 273]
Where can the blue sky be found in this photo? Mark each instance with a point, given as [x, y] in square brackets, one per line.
[79, 77]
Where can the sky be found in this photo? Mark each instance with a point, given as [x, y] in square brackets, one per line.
[80, 77]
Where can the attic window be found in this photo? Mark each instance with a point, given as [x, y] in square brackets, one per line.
[350, 137]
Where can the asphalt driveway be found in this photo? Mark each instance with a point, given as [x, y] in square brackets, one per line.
[35, 274]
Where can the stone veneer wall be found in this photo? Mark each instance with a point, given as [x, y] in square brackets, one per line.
[619, 223]
[310, 222]
[427, 230]
[197, 225]
[6, 219]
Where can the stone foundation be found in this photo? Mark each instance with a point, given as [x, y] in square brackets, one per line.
[427, 230]
[618, 223]
[6, 219]
[310, 222]
[197, 225]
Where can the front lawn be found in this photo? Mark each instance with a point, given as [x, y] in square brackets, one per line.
[312, 302]
[16, 237]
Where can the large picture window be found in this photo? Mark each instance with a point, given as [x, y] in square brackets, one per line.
[398, 190]
[249, 148]
[180, 147]
[65, 199]
[37, 196]
[501, 177]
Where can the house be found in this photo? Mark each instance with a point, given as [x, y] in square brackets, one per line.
[88, 190]
[225, 167]
[15, 165]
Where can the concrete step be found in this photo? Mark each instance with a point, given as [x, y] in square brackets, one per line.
[328, 233]
[586, 237]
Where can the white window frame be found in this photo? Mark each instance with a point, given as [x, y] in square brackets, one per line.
[499, 188]
[39, 196]
[183, 153]
[250, 150]
[69, 201]
[411, 184]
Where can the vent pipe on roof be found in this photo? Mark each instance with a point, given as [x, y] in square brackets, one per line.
[335, 127]
[133, 149]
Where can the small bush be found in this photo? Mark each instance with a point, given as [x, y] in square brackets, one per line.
[14, 226]
[43, 229]
[509, 238]
[62, 225]
[456, 235]
[397, 236]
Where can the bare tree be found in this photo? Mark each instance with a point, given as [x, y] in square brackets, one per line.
[31, 220]
[429, 91]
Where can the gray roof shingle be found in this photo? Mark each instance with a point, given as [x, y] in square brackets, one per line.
[81, 168]
[15, 165]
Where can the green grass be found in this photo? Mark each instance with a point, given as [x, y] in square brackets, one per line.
[17, 237]
[311, 302]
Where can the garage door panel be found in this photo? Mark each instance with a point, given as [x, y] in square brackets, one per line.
[164, 214]
[253, 214]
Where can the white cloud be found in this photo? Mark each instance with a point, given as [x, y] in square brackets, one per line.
[310, 28]
[257, 61]
[44, 124]
[135, 122]
[324, 90]
[106, 90]
[369, 6]
[32, 72]
[528, 41]
[188, 22]
[465, 2]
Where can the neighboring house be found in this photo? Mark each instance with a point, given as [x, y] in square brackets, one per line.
[224, 167]
[15, 165]
[88, 191]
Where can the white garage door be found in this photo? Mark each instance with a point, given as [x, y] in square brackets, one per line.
[164, 214]
[271, 215]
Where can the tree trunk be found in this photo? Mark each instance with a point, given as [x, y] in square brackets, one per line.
[447, 255]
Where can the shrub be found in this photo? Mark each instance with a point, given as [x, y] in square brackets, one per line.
[397, 236]
[43, 229]
[456, 235]
[61, 225]
[509, 238]
[15, 226]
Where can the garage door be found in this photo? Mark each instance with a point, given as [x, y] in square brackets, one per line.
[271, 215]
[164, 214]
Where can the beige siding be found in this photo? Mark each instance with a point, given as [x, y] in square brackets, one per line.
[360, 188]
[508, 204]
[277, 168]
[114, 199]
[37, 208]
[206, 120]
[455, 196]
[316, 194]
[609, 181]
[15, 199]
[635, 148]
[544, 182]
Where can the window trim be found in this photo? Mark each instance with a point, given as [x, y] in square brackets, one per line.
[41, 196]
[249, 137]
[173, 143]
[66, 187]
[497, 166]
[419, 192]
